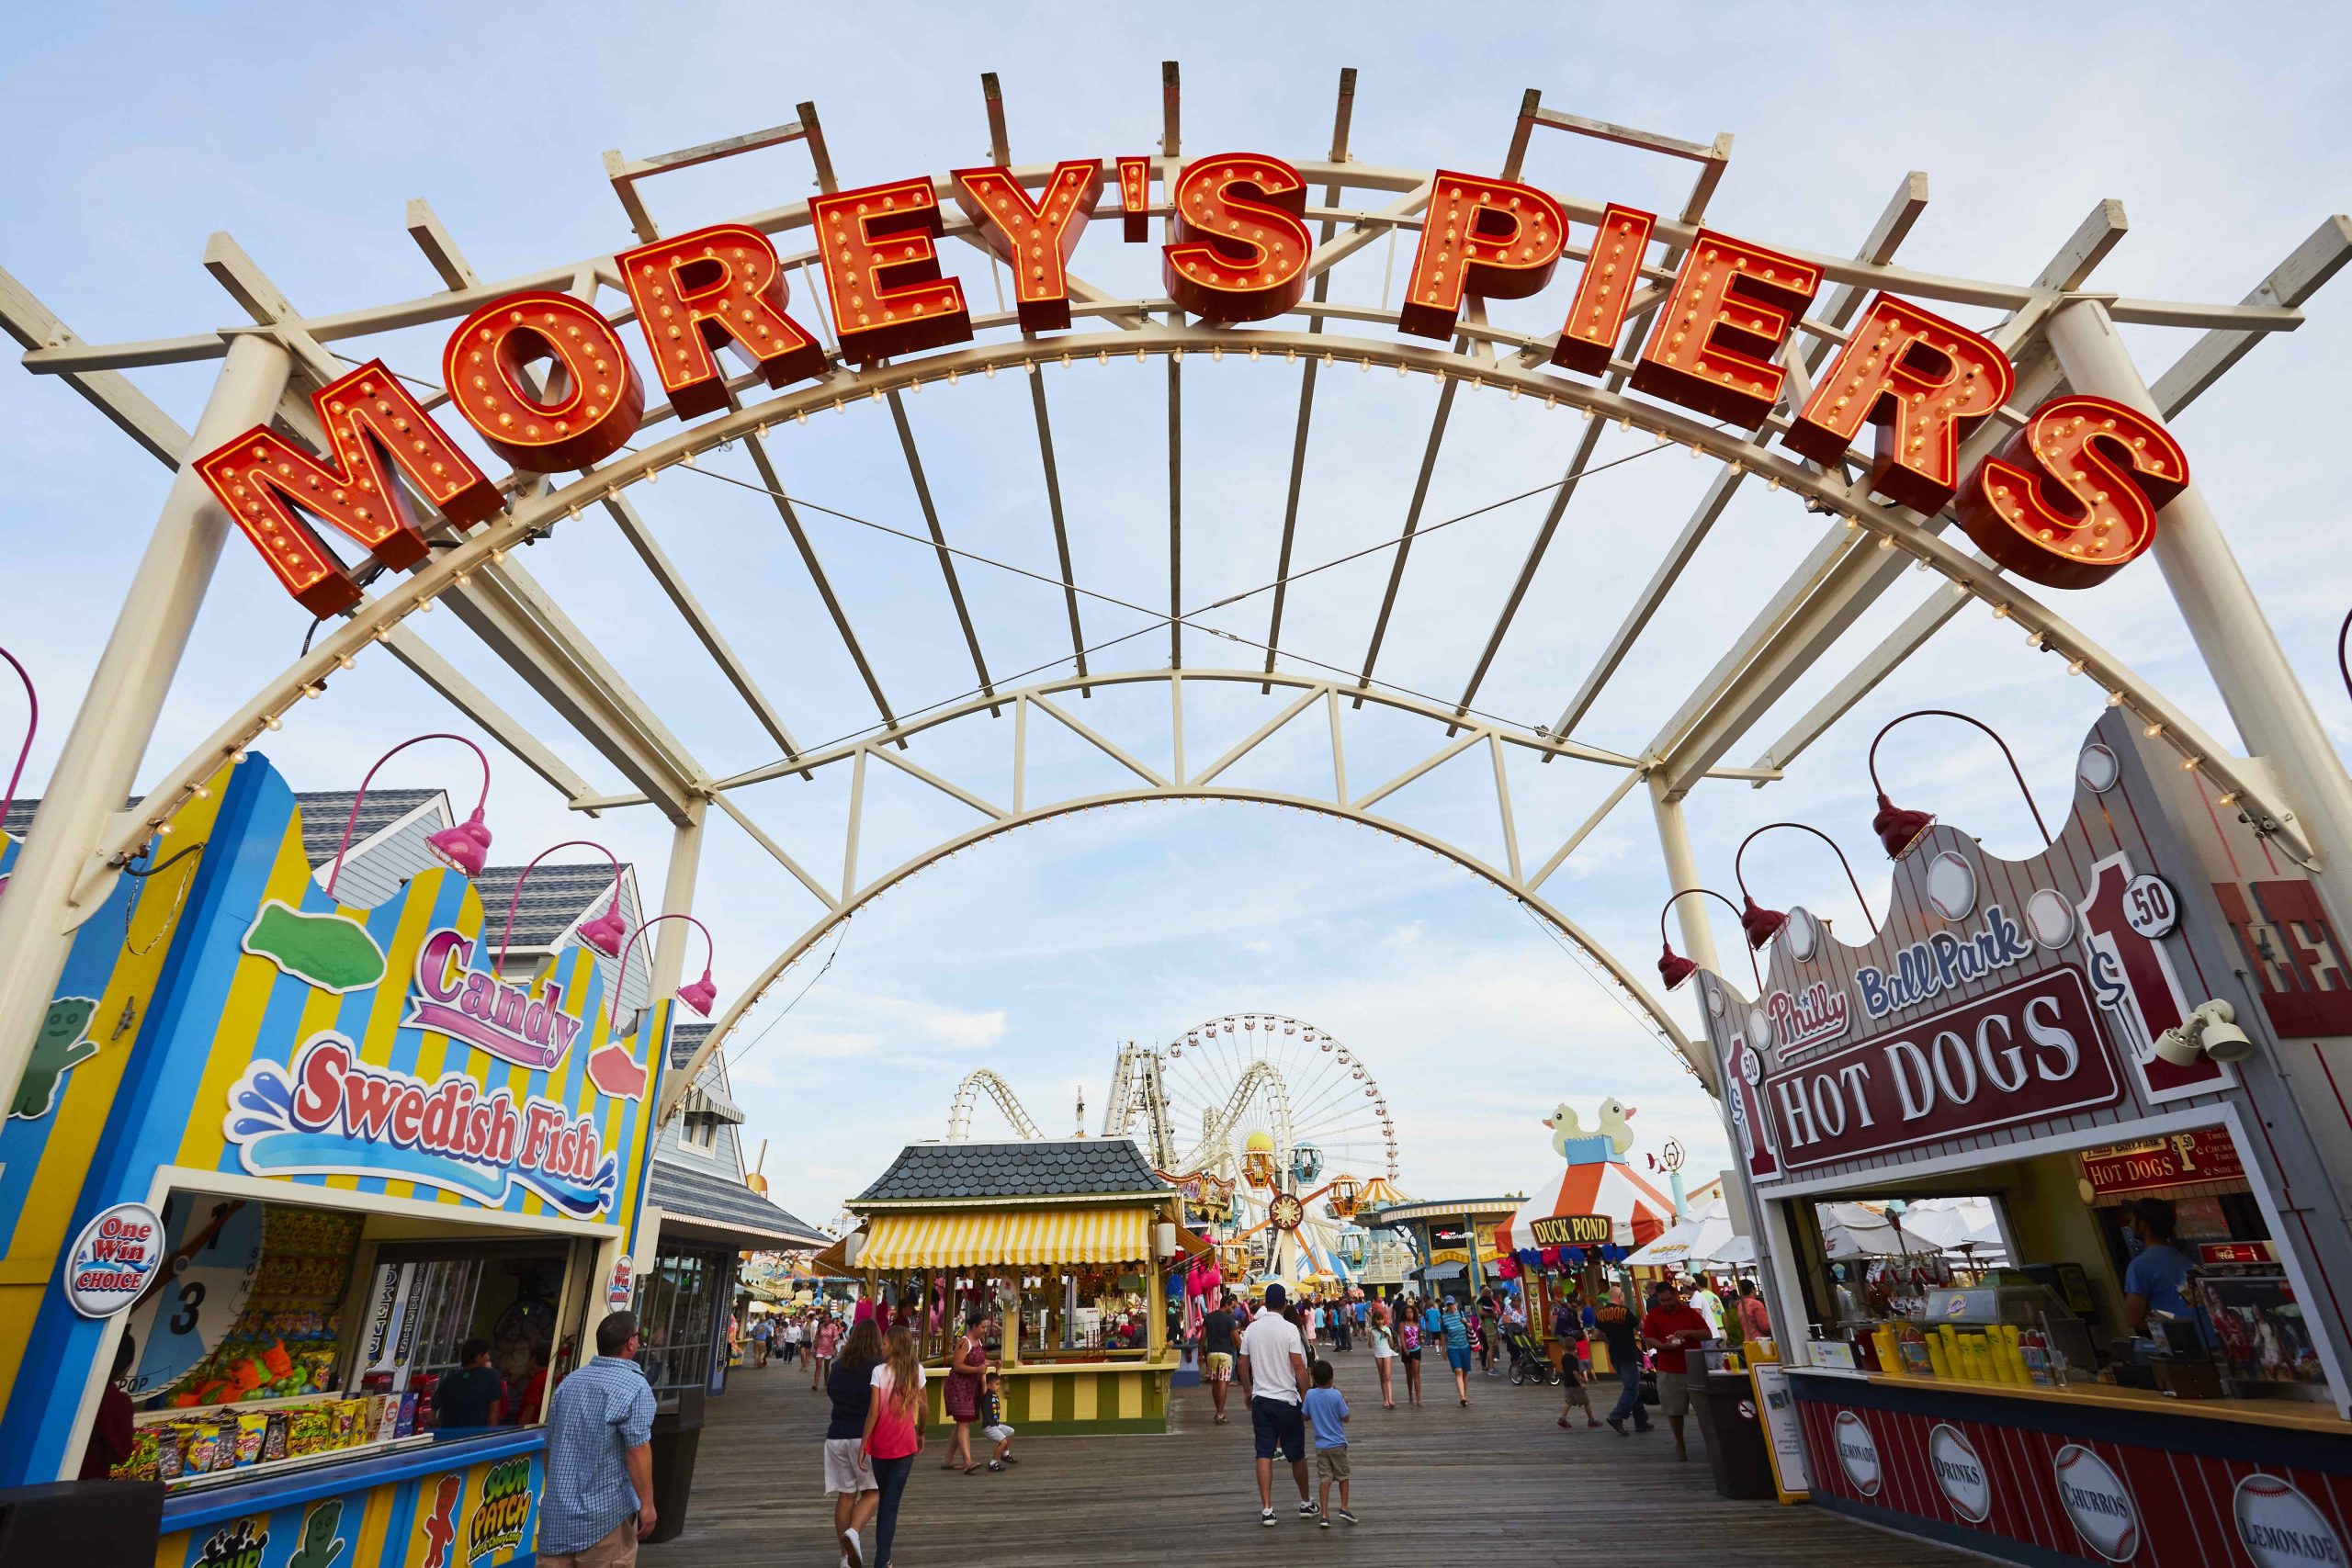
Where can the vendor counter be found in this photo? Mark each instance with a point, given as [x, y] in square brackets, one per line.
[2090, 1471]
[469, 1498]
[1076, 1396]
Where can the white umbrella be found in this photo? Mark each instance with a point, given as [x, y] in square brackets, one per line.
[1694, 1240]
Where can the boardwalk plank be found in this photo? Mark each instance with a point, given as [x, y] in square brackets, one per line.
[1436, 1485]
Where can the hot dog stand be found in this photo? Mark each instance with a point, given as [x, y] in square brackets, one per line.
[2005, 1035]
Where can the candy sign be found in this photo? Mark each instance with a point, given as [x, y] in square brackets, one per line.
[112, 1260]
[336, 1115]
[478, 1008]
[2097, 1502]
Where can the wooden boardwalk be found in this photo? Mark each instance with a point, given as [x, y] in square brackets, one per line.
[1436, 1485]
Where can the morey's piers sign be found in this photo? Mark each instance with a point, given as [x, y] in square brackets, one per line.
[550, 387]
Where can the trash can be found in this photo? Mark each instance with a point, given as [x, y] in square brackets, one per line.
[1729, 1421]
[81, 1521]
[677, 1434]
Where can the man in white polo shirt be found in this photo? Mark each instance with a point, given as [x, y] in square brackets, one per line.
[1273, 1377]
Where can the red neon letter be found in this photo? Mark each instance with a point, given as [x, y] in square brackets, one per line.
[592, 404]
[882, 271]
[701, 291]
[1923, 381]
[2116, 467]
[1134, 198]
[1237, 257]
[1612, 273]
[1035, 238]
[1496, 239]
[1733, 303]
[267, 482]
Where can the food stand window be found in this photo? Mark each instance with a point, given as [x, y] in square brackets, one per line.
[679, 1305]
[440, 1295]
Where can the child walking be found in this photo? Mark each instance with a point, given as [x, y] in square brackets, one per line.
[993, 1427]
[1327, 1411]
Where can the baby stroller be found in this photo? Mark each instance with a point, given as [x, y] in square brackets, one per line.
[1528, 1362]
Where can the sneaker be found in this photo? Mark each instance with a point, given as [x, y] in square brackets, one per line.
[1617, 1424]
[1010, 1460]
[1325, 1523]
[1307, 1509]
[1266, 1517]
[1345, 1515]
[996, 1464]
[853, 1550]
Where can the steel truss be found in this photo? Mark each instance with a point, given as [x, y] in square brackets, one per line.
[273, 360]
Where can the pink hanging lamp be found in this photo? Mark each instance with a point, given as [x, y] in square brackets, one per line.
[464, 848]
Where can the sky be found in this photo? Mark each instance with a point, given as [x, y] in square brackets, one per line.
[146, 129]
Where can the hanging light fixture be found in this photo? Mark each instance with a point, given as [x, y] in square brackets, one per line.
[604, 932]
[1672, 967]
[1761, 924]
[696, 994]
[464, 848]
[32, 723]
[1898, 830]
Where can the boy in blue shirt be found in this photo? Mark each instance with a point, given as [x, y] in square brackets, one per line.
[1327, 1411]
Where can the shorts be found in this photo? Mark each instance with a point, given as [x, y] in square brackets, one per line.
[1220, 1366]
[1459, 1360]
[618, 1550]
[1412, 1355]
[1000, 1433]
[1673, 1393]
[1332, 1464]
[1278, 1425]
[847, 1469]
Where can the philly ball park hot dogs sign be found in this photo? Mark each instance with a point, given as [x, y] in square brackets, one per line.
[2071, 497]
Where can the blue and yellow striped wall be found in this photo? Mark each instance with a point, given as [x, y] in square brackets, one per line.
[201, 1011]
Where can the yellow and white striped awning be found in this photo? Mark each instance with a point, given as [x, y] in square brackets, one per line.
[1016, 1237]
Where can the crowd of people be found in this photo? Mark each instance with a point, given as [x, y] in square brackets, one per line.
[599, 1497]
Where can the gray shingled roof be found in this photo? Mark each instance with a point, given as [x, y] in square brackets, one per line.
[1056, 1167]
[554, 897]
[700, 1197]
[684, 1039]
[323, 812]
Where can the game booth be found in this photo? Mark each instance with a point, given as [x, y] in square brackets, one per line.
[284, 1158]
[1068, 1241]
[2152, 1007]
[1589, 1215]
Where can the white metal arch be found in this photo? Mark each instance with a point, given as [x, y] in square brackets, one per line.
[474, 574]
[959, 1114]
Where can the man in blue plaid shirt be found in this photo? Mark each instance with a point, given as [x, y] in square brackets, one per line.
[599, 1496]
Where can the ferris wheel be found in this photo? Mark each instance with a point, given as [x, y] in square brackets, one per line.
[1274, 1104]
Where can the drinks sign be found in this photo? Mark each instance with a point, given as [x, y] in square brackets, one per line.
[1960, 1472]
[336, 1115]
[2023, 1054]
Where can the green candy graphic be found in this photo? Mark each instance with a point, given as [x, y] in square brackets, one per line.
[319, 1546]
[58, 1046]
[333, 953]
